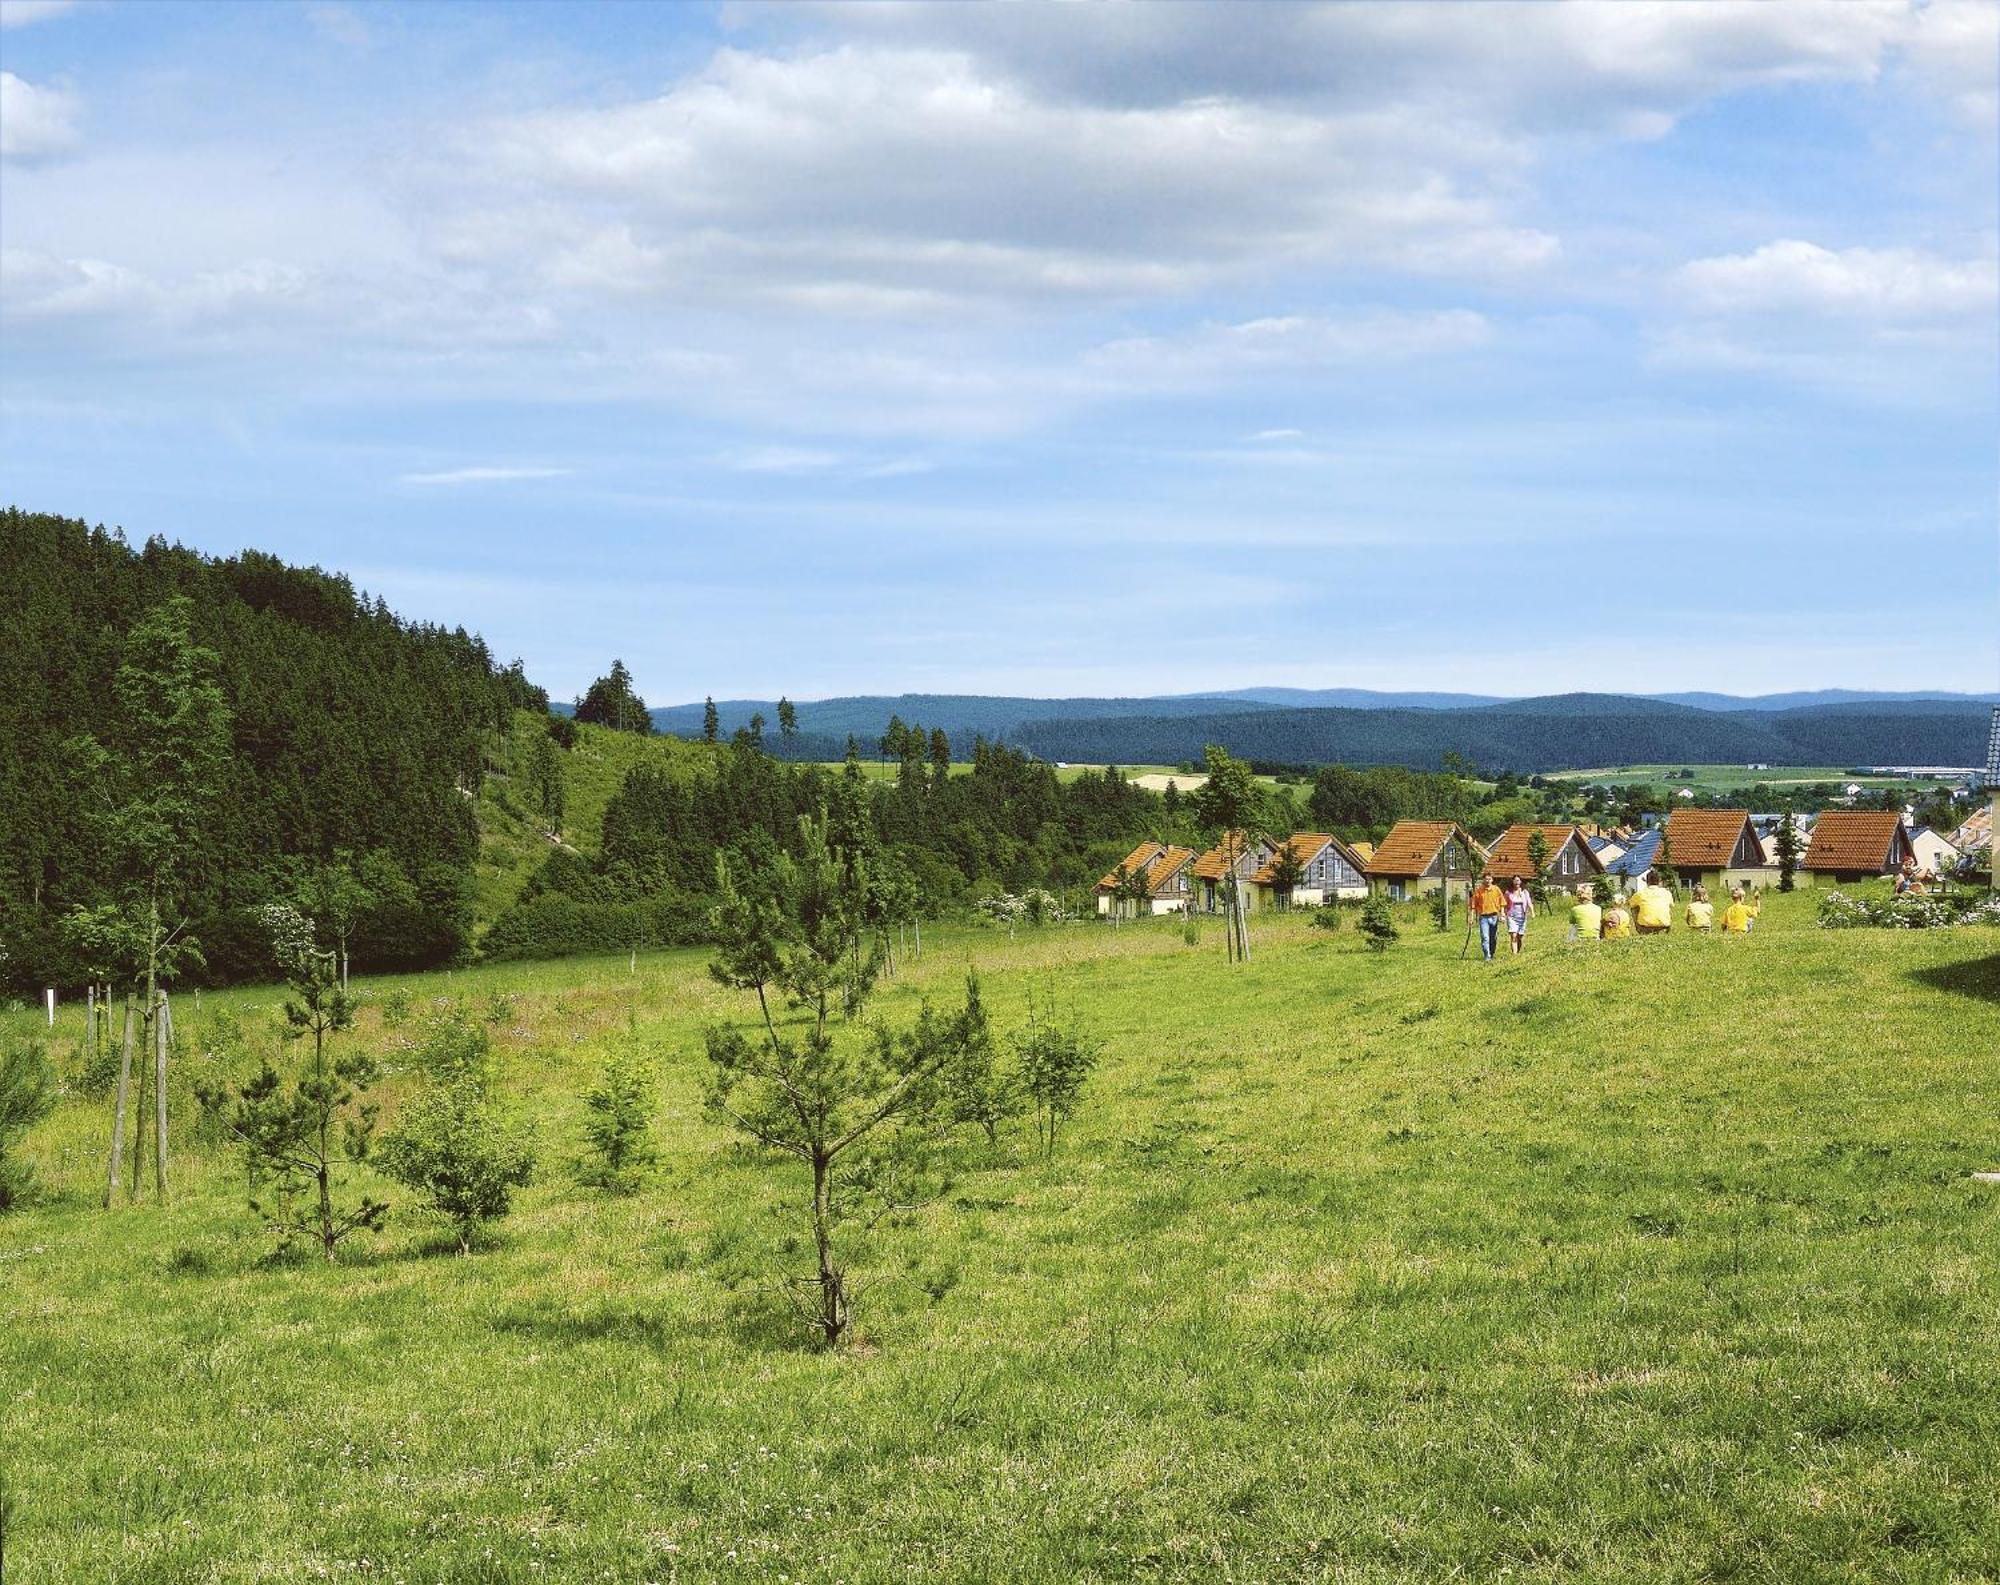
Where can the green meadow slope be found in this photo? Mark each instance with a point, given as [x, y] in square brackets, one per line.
[1656, 1261]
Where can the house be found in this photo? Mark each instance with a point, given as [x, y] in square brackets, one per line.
[1974, 832]
[1640, 855]
[1419, 856]
[1568, 861]
[1934, 853]
[1328, 867]
[1167, 884]
[1851, 844]
[1718, 847]
[1607, 847]
[1209, 892]
[1767, 834]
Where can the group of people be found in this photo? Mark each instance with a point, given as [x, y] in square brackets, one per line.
[1913, 882]
[1646, 910]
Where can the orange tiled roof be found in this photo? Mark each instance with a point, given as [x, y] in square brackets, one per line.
[1214, 864]
[1305, 846]
[1853, 839]
[1704, 839]
[1159, 861]
[1411, 845]
[1509, 853]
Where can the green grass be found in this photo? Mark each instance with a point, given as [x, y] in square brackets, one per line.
[1724, 778]
[1652, 1261]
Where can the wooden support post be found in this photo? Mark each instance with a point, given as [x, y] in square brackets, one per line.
[162, 1028]
[118, 1111]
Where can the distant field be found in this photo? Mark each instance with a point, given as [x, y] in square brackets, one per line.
[1708, 778]
[1656, 1261]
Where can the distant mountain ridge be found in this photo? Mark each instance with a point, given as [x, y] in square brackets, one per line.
[1363, 726]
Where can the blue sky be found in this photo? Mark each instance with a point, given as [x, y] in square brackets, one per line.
[1095, 349]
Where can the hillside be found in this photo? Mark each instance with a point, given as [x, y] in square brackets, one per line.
[1538, 735]
[961, 715]
[1482, 1278]
[344, 734]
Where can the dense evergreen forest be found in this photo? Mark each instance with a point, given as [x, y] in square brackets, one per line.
[352, 747]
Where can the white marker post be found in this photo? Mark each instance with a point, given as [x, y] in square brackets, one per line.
[50, 993]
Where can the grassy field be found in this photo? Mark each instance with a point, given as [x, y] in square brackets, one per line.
[1724, 778]
[1655, 1261]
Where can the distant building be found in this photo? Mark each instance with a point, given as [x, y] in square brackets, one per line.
[1933, 852]
[1718, 847]
[1640, 855]
[1419, 856]
[1209, 874]
[1329, 868]
[1853, 844]
[1166, 872]
[1569, 859]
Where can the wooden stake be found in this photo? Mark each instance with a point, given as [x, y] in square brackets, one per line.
[162, 1026]
[118, 1114]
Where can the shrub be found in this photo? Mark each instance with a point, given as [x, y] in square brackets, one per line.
[1378, 924]
[1933, 911]
[1055, 1062]
[27, 1094]
[451, 1147]
[1326, 916]
[617, 1126]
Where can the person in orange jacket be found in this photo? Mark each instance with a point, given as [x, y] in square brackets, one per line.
[1487, 903]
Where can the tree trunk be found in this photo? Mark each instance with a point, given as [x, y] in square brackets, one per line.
[832, 1288]
[161, 1025]
[152, 1021]
[343, 963]
[118, 1112]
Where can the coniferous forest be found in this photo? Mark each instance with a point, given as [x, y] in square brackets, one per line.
[349, 759]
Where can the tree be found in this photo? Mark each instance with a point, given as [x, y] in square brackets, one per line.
[617, 1125]
[1788, 852]
[1377, 924]
[978, 1092]
[1288, 871]
[335, 897]
[543, 781]
[791, 933]
[1538, 861]
[149, 799]
[451, 1146]
[287, 1131]
[788, 721]
[940, 757]
[711, 721]
[755, 730]
[1055, 1063]
[27, 1095]
[612, 701]
[1228, 803]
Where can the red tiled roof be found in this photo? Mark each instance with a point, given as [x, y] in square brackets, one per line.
[1853, 839]
[1411, 845]
[1509, 854]
[1704, 839]
[1159, 861]
[1305, 846]
[1214, 864]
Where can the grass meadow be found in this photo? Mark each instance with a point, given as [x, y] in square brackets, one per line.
[1649, 1261]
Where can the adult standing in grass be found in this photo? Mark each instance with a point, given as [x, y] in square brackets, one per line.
[1487, 903]
[1700, 911]
[1520, 904]
[1652, 907]
[1586, 919]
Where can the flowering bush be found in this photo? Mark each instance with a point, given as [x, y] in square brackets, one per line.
[1032, 907]
[1933, 911]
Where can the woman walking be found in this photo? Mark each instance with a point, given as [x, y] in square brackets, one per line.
[1519, 906]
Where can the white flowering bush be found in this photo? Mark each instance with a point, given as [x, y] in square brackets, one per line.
[1932, 911]
[1031, 907]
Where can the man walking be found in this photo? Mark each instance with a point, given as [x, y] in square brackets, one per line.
[1487, 903]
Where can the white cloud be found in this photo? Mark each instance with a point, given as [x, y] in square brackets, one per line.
[1791, 276]
[35, 121]
[1279, 434]
[1950, 49]
[19, 13]
[457, 476]
[1293, 341]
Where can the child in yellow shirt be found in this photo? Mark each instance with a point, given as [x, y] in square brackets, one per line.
[1737, 917]
[1700, 911]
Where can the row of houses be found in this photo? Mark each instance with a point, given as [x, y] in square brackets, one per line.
[1718, 847]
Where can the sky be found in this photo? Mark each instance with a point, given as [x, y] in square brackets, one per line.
[1058, 350]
